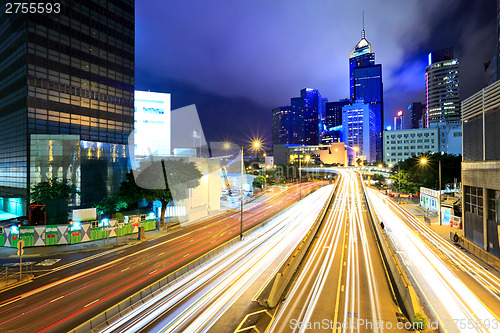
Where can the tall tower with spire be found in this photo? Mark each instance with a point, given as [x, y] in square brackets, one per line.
[365, 80]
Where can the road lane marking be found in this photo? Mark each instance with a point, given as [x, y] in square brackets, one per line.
[153, 271]
[55, 299]
[159, 254]
[91, 303]
[125, 269]
[340, 279]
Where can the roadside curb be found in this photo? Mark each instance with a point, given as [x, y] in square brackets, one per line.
[13, 282]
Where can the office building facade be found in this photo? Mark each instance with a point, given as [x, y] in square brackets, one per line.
[302, 121]
[358, 126]
[481, 168]
[332, 126]
[442, 87]
[403, 144]
[416, 111]
[68, 76]
[282, 125]
[365, 79]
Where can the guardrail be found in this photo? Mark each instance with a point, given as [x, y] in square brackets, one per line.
[479, 252]
[405, 293]
[103, 319]
[287, 270]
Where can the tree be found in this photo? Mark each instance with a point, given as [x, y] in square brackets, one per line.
[163, 180]
[52, 188]
[111, 204]
[414, 175]
[258, 181]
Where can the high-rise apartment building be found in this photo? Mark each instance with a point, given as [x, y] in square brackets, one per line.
[67, 96]
[441, 82]
[366, 83]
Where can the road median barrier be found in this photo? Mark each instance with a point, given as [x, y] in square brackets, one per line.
[273, 292]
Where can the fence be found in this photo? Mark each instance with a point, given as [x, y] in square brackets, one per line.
[76, 233]
[482, 254]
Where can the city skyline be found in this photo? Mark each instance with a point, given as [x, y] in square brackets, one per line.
[262, 59]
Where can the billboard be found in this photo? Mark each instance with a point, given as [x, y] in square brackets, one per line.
[151, 123]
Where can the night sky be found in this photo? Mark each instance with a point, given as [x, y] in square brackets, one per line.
[236, 60]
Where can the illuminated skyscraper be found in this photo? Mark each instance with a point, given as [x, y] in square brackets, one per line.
[366, 83]
[282, 125]
[67, 96]
[416, 112]
[333, 121]
[358, 126]
[442, 82]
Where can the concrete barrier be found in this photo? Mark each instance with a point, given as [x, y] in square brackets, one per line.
[287, 270]
[405, 294]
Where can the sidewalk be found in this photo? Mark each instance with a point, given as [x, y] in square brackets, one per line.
[418, 212]
[105, 244]
[442, 230]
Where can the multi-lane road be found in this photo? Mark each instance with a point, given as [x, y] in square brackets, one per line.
[197, 301]
[342, 285]
[462, 294]
[70, 294]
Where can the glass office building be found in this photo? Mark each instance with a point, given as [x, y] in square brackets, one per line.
[282, 125]
[69, 76]
[365, 79]
[442, 87]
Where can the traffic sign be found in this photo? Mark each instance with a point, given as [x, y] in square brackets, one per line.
[20, 244]
[20, 252]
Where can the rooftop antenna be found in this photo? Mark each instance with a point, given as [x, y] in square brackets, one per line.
[363, 31]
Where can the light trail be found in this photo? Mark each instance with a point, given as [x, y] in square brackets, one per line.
[455, 306]
[194, 302]
[338, 281]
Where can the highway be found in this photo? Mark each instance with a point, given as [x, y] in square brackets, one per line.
[461, 294]
[195, 302]
[342, 284]
[68, 295]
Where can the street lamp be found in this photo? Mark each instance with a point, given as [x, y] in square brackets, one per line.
[355, 155]
[255, 145]
[424, 161]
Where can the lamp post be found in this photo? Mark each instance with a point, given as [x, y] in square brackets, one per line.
[255, 145]
[424, 161]
[300, 177]
[399, 182]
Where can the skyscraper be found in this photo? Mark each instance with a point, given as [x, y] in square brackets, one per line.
[358, 125]
[282, 125]
[306, 117]
[366, 83]
[441, 82]
[416, 111]
[67, 96]
[333, 121]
